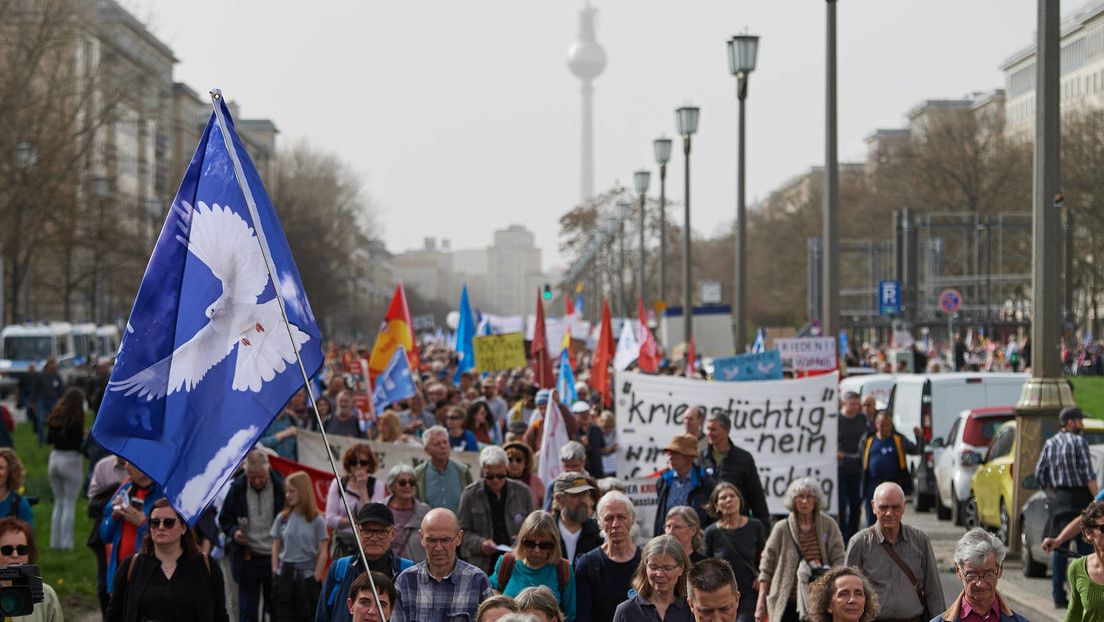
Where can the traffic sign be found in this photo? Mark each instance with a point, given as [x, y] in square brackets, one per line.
[889, 298]
[950, 300]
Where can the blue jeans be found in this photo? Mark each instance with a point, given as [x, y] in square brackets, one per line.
[1059, 561]
[42, 410]
[256, 579]
[850, 504]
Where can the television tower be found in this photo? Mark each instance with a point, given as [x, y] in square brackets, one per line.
[586, 59]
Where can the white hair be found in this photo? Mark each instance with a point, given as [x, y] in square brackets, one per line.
[436, 430]
[492, 455]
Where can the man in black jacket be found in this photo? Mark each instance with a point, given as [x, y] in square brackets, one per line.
[252, 503]
[728, 463]
[579, 533]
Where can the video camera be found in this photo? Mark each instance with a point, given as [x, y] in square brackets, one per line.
[19, 598]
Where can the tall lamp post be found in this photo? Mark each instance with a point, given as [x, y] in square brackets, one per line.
[663, 156]
[687, 119]
[829, 315]
[622, 212]
[742, 53]
[642, 179]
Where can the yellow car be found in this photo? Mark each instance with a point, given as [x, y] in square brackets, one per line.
[991, 486]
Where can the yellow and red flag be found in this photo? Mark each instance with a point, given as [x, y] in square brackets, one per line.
[397, 329]
[566, 345]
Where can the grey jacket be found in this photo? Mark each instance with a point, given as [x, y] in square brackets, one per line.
[415, 552]
[475, 519]
[780, 560]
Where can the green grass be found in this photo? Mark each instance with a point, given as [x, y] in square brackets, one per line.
[72, 574]
[1088, 392]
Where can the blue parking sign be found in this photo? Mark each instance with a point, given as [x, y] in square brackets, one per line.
[889, 298]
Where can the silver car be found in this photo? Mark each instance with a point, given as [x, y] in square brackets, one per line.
[970, 433]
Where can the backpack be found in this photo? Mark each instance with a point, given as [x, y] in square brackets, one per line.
[506, 568]
[341, 566]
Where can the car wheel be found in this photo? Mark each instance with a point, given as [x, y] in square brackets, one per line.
[1005, 524]
[958, 508]
[970, 514]
[920, 501]
[1031, 568]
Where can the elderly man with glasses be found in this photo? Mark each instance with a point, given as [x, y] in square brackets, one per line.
[979, 563]
[375, 528]
[491, 511]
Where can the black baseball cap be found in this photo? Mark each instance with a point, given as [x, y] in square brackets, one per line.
[376, 513]
[1070, 412]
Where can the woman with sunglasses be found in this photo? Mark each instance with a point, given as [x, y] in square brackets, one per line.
[660, 584]
[460, 438]
[408, 512]
[168, 578]
[360, 488]
[17, 546]
[298, 552]
[519, 466]
[537, 562]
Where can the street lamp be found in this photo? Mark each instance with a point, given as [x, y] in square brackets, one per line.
[641, 179]
[622, 212]
[687, 119]
[663, 156]
[743, 50]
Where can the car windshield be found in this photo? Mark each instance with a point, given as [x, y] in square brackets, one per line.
[27, 348]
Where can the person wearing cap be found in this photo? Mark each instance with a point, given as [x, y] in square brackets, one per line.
[519, 467]
[491, 511]
[579, 533]
[572, 458]
[495, 404]
[375, 528]
[1065, 468]
[682, 483]
[591, 437]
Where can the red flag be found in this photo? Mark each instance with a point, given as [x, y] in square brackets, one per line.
[569, 307]
[397, 329]
[320, 480]
[603, 355]
[690, 358]
[649, 356]
[542, 366]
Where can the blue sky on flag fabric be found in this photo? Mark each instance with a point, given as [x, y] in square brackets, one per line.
[206, 361]
[395, 383]
[465, 330]
[565, 383]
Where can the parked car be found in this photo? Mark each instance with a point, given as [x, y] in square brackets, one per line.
[991, 485]
[932, 402]
[970, 434]
[1034, 517]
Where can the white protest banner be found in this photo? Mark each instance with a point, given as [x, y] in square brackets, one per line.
[788, 426]
[312, 452]
[808, 354]
[642, 492]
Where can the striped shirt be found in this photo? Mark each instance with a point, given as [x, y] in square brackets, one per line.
[425, 599]
[1064, 462]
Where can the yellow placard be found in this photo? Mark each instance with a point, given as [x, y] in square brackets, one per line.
[495, 352]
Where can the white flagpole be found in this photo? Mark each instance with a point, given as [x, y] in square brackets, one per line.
[262, 241]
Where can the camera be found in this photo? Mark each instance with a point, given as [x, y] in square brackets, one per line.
[19, 598]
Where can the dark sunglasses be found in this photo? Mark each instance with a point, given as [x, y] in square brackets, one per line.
[19, 549]
[360, 463]
[533, 544]
[405, 482]
[494, 476]
[156, 523]
[518, 460]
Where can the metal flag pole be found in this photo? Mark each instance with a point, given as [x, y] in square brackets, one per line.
[262, 241]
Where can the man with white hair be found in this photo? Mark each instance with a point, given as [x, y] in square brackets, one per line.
[979, 563]
[603, 576]
[441, 479]
[898, 560]
[491, 511]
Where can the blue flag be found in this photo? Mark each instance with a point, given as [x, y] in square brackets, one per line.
[465, 331]
[754, 366]
[565, 384]
[207, 360]
[579, 304]
[395, 383]
[760, 341]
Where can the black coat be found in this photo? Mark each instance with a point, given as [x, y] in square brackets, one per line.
[235, 507]
[202, 579]
[739, 470]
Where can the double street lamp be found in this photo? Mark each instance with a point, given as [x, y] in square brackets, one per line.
[742, 54]
[663, 156]
[687, 119]
[641, 179]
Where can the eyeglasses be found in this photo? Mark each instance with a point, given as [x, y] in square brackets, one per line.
[456, 416]
[974, 577]
[156, 523]
[675, 527]
[533, 544]
[518, 459]
[663, 569]
[360, 463]
[375, 533]
[19, 549]
[494, 476]
[405, 482]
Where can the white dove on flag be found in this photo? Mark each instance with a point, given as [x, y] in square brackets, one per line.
[226, 244]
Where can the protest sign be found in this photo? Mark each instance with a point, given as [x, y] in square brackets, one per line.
[312, 452]
[495, 352]
[808, 354]
[756, 366]
[642, 492]
[788, 426]
[424, 322]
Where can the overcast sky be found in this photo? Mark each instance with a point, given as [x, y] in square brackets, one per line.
[461, 116]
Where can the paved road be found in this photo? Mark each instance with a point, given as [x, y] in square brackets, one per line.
[1030, 597]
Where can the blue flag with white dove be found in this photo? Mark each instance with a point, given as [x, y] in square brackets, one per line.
[752, 366]
[207, 360]
[395, 383]
[465, 331]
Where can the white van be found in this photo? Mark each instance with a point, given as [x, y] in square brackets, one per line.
[932, 402]
[23, 344]
[878, 385]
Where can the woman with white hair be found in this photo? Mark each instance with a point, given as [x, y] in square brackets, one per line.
[604, 575]
[491, 511]
[799, 550]
[408, 513]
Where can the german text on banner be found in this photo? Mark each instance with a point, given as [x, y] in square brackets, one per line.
[207, 361]
[789, 426]
[497, 352]
[808, 354]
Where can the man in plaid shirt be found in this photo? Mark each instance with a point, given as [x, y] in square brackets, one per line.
[442, 588]
[1065, 469]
